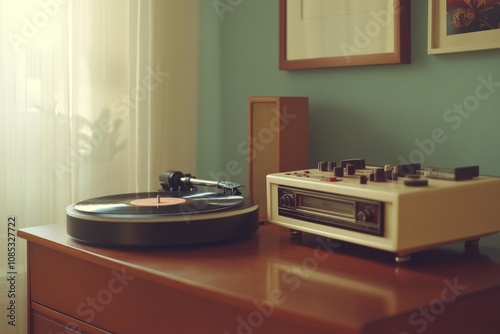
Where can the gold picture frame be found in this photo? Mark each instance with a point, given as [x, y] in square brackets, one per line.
[440, 41]
[325, 33]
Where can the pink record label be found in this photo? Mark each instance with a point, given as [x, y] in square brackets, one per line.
[158, 201]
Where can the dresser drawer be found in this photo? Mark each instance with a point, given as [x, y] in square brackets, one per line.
[45, 321]
[118, 300]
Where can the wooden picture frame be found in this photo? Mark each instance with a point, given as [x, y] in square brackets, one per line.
[313, 34]
[441, 41]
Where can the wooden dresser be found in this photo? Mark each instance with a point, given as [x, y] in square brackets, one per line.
[267, 283]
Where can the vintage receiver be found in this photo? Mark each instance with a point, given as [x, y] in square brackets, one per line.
[401, 209]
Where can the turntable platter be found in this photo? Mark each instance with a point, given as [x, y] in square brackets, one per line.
[161, 218]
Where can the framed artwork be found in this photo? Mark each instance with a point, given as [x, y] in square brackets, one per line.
[463, 25]
[332, 33]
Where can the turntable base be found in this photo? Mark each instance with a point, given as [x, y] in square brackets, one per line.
[178, 218]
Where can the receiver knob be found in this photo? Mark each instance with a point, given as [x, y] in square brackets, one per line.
[351, 169]
[365, 215]
[338, 171]
[323, 166]
[286, 201]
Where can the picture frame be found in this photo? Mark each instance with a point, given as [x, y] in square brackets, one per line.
[441, 40]
[324, 33]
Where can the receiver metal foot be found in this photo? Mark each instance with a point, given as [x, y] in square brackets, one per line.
[402, 258]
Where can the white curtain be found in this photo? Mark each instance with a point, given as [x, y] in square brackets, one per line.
[97, 97]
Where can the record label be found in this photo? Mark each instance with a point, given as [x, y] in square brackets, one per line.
[158, 201]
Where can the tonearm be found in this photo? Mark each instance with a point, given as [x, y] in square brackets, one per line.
[177, 181]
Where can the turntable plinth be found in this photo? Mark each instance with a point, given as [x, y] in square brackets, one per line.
[266, 283]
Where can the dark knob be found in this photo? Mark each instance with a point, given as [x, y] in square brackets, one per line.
[338, 171]
[286, 201]
[379, 175]
[365, 215]
[351, 169]
[323, 166]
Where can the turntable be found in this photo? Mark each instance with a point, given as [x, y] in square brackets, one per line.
[178, 214]
[400, 209]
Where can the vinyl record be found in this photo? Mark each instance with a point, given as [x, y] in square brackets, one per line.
[161, 218]
[164, 203]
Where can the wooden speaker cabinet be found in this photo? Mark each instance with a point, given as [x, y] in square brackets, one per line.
[279, 140]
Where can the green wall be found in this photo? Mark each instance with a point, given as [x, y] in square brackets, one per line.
[380, 113]
[385, 114]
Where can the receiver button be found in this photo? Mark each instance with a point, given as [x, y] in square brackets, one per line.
[331, 179]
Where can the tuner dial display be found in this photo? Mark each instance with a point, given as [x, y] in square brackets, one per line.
[346, 212]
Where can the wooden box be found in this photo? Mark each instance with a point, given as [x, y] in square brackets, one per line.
[279, 139]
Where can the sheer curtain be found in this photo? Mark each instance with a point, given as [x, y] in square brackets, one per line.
[97, 97]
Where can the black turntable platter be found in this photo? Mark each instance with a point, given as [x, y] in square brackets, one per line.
[161, 218]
